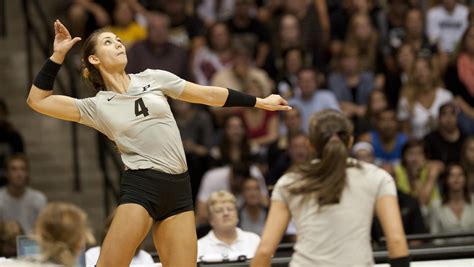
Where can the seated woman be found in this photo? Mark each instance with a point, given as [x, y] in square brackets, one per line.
[62, 232]
[456, 213]
[262, 125]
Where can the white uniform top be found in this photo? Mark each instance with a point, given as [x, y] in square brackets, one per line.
[140, 121]
[339, 234]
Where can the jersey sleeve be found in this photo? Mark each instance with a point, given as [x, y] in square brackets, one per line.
[170, 84]
[87, 108]
[280, 191]
[386, 185]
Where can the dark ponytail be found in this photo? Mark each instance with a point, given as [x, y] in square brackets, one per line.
[90, 73]
[330, 134]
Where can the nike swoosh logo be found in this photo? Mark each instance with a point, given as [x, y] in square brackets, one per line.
[146, 87]
[108, 99]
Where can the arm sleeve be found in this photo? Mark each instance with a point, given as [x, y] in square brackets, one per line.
[170, 84]
[87, 108]
[432, 28]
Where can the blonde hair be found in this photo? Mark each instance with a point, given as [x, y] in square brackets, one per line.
[367, 48]
[61, 229]
[220, 197]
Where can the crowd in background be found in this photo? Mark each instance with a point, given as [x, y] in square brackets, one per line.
[401, 70]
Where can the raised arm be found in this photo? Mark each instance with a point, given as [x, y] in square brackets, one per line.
[219, 97]
[41, 96]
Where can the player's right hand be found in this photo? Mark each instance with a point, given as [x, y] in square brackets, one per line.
[62, 39]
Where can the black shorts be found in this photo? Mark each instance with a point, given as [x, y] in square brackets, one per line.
[161, 194]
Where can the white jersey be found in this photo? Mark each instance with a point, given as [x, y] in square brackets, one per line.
[140, 121]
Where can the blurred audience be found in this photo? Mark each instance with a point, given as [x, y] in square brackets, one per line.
[467, 161]
[417, 176]
[458, 79]
[312, 99]
[215, 56]
[9, 230]
[446, 141]
[157, 52]
[227, 178]
[18, 201]
[253, 212]
[225, 241]
[62, 231]
[456, 212]
[11, 141]
[421, 98]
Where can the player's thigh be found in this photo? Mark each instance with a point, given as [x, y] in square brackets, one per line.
[175, 240]
[129, 227]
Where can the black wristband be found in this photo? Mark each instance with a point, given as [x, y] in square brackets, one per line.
[239, 99]
[400, 262]
[46, 76]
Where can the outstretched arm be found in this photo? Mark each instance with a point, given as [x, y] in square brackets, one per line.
[219, 96]
[41, 96]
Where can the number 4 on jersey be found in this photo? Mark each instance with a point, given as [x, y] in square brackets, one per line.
[140, 108]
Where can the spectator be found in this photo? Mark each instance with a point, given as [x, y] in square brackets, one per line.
[225, 241]
[214, 11]
[18, 201]
[11, 141]
[241, 70]
[292, 126]
[157, 52]
[234, 77]
[376, 103]
[386, 139]
[9, 230]
[88, 15]
[446, 141]
[227, 178]
[311, 99]
[61, 231]
[196, 129]
[124, 24]
[323, 193]
[456, 213]
[250, 31]
[351, 84]
[421, 98]
[398, 78]
[413, 34]
[262, 125]
[293, 62]
[215, 56]
[312, 32]
[298, 152]
[467, 161]
[364, 151]
[363, 35]
[234, 145]
[253, 213]
[186, 31]
[92, 254]
[458, 79]
[417, 176]
[445, 24]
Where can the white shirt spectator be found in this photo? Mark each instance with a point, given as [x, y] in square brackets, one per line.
[447, 28]
[218, 179]
[207, 10]
[143, 257]
[24, 210]
[246, 244]
[423, 120]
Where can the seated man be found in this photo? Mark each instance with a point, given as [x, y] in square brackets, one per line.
[18, 201]
[225, 241]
